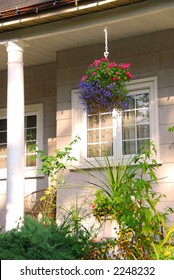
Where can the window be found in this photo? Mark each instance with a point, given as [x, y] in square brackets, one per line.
[136, 123]
[99, 135]
[120, 134]
[3, 143]
[32, 133]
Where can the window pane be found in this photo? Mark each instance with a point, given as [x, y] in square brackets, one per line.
[143, 131]
[142, 100]
[3, 162]
[30, 161]
[3, 124]
[93, 121]
[93, 150]
[31, 134]
[30, 145]
[93, 136]
[3, 137]
[140, 143]
[3, 143]
[142, 116]
[129, 147]
[107, 122]
[30, 121]
[128, 117]
[107, 149]
[129, 132]
[131, 103]
[3, 150]
[106, 135]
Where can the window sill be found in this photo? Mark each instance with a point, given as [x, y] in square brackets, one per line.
[92, 163]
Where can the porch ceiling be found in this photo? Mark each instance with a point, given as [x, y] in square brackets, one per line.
[43, 41]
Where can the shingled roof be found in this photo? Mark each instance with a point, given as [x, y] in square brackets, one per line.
[19, 7]
[20, 14]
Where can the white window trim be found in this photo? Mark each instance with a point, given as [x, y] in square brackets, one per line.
[36, 109]
[79, 124]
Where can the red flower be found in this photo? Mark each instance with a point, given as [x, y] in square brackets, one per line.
[93, 205]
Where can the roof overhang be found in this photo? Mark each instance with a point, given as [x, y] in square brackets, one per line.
[84, 26]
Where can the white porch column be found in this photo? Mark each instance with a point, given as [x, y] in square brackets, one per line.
[15, 135]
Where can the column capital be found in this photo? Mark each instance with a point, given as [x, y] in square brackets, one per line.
[16, 45]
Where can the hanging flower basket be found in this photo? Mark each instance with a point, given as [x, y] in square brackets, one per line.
[103, 88]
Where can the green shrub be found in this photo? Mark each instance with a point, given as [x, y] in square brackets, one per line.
[35, 241]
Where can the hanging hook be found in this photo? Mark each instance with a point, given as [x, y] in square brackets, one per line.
[106, 53]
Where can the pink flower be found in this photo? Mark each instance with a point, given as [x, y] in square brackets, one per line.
[114, 78]
[116, 73]
[104, 59]
[94, 73]
[97, 62]
[84, 78]
[124, 65]
[129, 75]
[112, 65]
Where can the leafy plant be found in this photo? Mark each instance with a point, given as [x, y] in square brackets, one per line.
[171, 129]
[103, 207]
[128, 189]
[96, 250]
[53, 166]
[165, 249]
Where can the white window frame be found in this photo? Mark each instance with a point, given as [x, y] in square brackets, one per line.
[79, 123]
[32, 109]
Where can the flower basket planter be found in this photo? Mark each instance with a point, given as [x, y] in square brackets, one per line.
[103, 87]
[109, 229]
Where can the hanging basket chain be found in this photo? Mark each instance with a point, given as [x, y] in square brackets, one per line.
[106, 53]
[102, 88]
